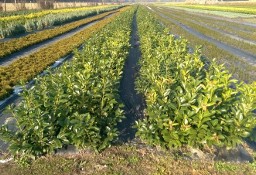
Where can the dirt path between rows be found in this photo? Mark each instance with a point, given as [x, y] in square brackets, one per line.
[134, 103]
[36, 47]
[249, 58]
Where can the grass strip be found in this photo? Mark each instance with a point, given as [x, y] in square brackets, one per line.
[135, 159]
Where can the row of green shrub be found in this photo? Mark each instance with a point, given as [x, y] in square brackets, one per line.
[17, 13]
[189, 101]
[26, 68]
[78, 104]
[15, 45]
[240, 69]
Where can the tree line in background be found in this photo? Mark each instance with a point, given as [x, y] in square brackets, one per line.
[20, 4]
[46, 4]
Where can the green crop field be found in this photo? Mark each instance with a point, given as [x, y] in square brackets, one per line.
[236, 9]
[131, 89]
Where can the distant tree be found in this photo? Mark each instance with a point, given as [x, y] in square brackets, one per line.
[1, 7]
[5, 5]
[20, 4]
[45, 4]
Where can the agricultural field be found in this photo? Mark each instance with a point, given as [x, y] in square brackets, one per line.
[229, 40]
[246, 9]
[24, 69]
[136, 89]
[13, 23]
[226, 9]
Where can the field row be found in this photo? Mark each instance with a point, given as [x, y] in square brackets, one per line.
[78, 104]
[240, 68]
[226, 26]
[15, 45]
[237, 9]
[28, 67]
[219, 34]
[13, 25]
[189, 99]
[30, 14]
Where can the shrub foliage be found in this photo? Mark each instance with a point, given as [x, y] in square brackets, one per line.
[189, 100]
[78, 104]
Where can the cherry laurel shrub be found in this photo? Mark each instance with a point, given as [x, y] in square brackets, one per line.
[78, 104]
[28, 67]
[189, 100]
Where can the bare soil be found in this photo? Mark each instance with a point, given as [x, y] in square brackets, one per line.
[134, 103]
